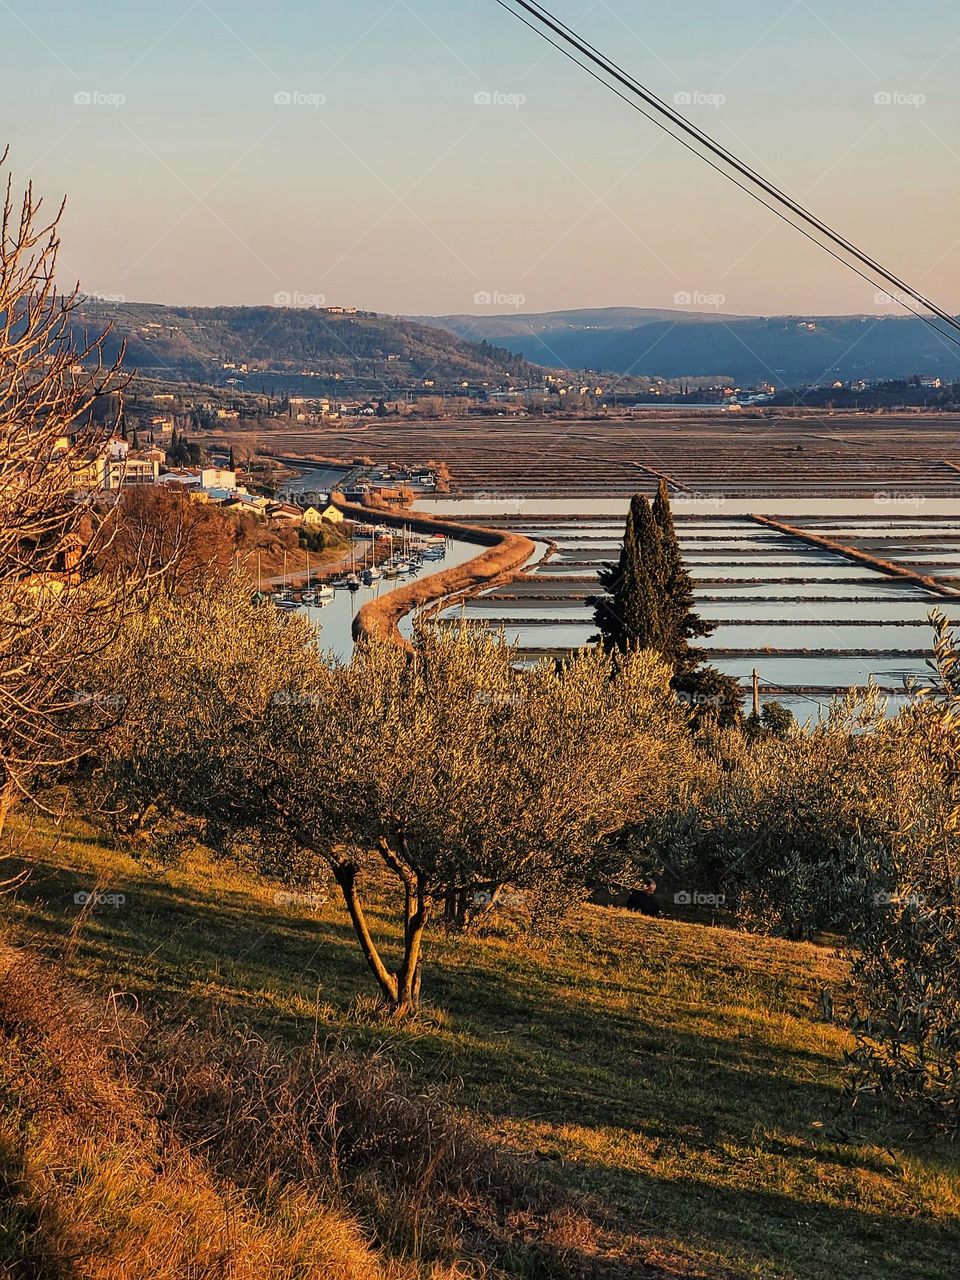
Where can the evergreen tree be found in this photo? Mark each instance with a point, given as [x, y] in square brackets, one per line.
[628, 614]
[136, 440]
[680, 621]
[649, 604]
[233, 460]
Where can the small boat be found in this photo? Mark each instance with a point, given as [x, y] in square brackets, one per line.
[352, 582]
[389, 570]
[308, 596]
[286, 606]
[403, 566]
[324, 592]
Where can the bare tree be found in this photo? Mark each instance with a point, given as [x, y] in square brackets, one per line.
[53, 618]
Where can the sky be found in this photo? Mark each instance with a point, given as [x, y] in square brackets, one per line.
[434, 156]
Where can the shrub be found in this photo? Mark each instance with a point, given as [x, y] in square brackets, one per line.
[798, 833]
[906, 969]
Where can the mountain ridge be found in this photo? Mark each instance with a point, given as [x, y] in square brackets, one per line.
[331, 344]
[789, 350]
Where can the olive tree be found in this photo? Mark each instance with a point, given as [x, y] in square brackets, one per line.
[797, 834]
[906, 962]
[445, 769]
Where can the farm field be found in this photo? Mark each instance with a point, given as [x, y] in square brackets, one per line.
[888, 459]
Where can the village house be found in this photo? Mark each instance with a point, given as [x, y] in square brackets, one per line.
[285, 513]
[117, 464]
[312, 518]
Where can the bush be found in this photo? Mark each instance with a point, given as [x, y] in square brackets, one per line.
[906, 970]
[798, 833]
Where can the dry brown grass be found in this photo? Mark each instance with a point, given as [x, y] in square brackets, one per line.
[132, 1150]
[96, 1187]
[355, 1129]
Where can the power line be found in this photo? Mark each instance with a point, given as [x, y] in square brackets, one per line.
[664, 111]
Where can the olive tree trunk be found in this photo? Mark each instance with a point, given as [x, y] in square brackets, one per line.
[400, 990]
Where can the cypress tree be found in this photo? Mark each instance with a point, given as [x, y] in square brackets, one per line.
[681, 622]
[628, 614]
[649, 604]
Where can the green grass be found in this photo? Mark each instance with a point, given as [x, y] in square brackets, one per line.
[680, 1075]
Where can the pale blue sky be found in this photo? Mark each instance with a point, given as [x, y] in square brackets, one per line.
[401, 193]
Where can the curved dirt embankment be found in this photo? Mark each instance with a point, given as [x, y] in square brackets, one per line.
[889, 567]
[466, 593]
[503, 556]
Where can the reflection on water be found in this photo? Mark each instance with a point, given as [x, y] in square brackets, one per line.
[749, 579]
[335, 619]
[876, 587]
[819, 635]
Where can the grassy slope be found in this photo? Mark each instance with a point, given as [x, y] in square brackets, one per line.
[680, 1074]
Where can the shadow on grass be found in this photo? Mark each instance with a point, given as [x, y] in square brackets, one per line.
[27, 1251]
[693, 1114]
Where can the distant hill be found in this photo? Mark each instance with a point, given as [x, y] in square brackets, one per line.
[785, 350]
[194, 343]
